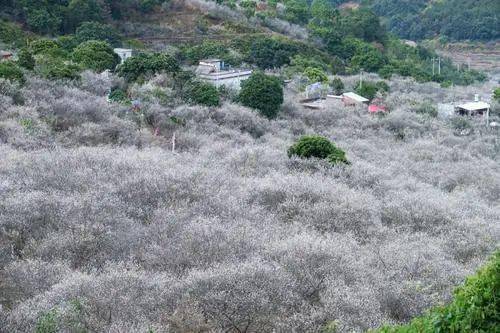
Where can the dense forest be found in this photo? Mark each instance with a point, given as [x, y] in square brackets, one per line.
[336, 41]
[419, 19]
[454, 19]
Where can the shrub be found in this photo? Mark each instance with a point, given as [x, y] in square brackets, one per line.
[337, 157]
[461, 126]
[337, 86]
[96, 55]
[47, 323]
[118, 95]
[427, 108]
[25, 59]
[203, 93]
[319, 147]
[262, 92]
[496, 94]
[10, 71]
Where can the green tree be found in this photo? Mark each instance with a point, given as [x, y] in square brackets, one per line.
[367, 90]
[144, 65]
[11, 34]
[475, 307]
[96, 55]
[25, 58]
[249, 7]
[68, 42]
[146, 6]
[10, 71]
[46, 47]
[297, 11]
[79, 11]
[496, 94]
[118, 95]
[202, 93]
[323, 10]
[47, 323]
[97, 31]
[43, 22]
[57, 69]
[363, 24]
[324, 21]
[315, 75]
[337, 86]
[319, 147]
[207, 49]
[262, 92]
[369, 59]
[271, 53]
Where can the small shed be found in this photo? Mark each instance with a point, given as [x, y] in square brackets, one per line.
[353, 99]
[207, 66]
[124, 54]
[477, 108]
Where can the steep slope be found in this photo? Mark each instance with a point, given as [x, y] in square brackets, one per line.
[455, 19]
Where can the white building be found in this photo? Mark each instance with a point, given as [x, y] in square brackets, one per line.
[212, 71]
[124, 54]
[473, 108]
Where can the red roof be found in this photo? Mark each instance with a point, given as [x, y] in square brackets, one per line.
[374, 108]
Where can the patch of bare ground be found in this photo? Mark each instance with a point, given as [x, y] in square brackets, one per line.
[485, 57]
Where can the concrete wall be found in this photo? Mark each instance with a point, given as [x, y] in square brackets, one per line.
[230, 81]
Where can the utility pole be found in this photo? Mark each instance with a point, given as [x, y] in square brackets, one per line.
[361, 79]
[439, 60]
[173, 143]
[433, 72]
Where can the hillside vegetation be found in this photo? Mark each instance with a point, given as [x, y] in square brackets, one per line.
[135, 197]
[454, 19]
[104, 228]
[312, 35]
[414, 19]
[475, 307]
